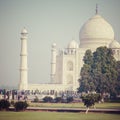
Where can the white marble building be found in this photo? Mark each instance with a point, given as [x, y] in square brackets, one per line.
[66, 64]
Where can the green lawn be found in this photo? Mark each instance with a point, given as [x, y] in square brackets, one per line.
[75, 105]
[56, 116]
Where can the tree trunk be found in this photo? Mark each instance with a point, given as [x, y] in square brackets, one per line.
[102, 99]
[87, 110]
[94, 107]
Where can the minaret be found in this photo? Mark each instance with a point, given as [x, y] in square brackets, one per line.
[23, 61]
[53, 62]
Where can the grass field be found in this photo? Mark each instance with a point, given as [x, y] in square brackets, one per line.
[40, 115]
[56, 116]
[75, 105]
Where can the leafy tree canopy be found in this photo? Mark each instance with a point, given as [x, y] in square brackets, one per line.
[100, 72]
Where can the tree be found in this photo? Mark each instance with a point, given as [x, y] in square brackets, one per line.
[88, 58]
[90, 99]
[118, 78]
[105, 67]
[99, 72]
[85, 81]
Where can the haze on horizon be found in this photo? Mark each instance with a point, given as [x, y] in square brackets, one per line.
[47, 22]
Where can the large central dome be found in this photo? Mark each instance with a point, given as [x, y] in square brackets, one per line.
[96, 32]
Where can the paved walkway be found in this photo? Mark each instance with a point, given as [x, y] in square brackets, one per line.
[117, 111]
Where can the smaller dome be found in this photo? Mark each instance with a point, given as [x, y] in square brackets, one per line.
[54, 45]
[24, 31]
[114, 44]
[73, 44]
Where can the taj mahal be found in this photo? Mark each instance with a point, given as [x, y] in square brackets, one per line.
[66, 63]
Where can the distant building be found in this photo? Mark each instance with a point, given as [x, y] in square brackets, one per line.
[66, 64]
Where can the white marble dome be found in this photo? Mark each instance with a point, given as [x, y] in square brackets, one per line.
[96, 32]
[73, 44]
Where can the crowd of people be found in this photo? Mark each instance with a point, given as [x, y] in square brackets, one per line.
[30, 95]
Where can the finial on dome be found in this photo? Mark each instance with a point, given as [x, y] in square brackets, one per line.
[96, 10]
[24, 31]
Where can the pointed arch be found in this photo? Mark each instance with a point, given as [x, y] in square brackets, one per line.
[70, 66]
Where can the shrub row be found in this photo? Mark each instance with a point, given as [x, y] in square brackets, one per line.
[19, 106]
[49, 99]
[4, 104]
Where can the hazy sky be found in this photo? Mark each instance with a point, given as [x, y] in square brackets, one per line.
[46, 21]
